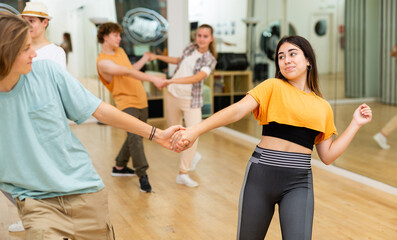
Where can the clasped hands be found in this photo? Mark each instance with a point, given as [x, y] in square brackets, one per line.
[181, 140]
[159, 82]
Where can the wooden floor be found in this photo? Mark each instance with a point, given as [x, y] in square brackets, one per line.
[344, 209]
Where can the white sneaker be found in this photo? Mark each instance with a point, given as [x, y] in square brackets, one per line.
[381, 140]
[16, 227]
[184, 179]
[195, 160]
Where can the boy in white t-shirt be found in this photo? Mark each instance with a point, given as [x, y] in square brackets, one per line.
[36, 13]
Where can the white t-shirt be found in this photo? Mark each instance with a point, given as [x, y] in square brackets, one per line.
[52, 52]
[186, 69]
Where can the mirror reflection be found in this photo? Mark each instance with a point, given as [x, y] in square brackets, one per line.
[353, 41]
[356, 50]
[355, 66]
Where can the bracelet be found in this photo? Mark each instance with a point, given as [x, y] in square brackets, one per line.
[151, 136]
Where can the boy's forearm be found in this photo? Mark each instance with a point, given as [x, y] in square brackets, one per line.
[141, 62]
[140, 75]
[110, 115]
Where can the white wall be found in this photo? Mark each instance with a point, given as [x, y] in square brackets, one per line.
[73, 16]
[225, 16]
[178, 29]
[299, 13]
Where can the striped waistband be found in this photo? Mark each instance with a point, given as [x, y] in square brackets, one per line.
[281, 158]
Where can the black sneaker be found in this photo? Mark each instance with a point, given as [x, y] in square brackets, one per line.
[126, 171]
[145, 185]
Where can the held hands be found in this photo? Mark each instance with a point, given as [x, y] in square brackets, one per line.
[159, 82]
[150, 56]
[162, 83]
[164, 136]
[362, 115]
[182, 140]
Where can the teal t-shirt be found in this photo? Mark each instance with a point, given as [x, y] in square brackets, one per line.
[40, 157]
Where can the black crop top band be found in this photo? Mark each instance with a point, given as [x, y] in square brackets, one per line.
[299, 135]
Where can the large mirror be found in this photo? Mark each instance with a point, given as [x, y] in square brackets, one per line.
[353, 41]
[354, 64]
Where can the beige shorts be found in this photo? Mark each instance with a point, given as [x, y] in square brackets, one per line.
[79, 216]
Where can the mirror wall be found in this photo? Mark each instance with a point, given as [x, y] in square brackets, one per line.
[353, 42]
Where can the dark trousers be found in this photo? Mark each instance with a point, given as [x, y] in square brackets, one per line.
[265, 186]
[133, 145]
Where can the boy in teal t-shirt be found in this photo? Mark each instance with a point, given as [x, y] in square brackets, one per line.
[43, 165]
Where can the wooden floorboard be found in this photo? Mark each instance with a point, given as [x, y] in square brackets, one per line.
[344, 209]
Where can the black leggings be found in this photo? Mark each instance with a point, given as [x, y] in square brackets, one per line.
[285, 183]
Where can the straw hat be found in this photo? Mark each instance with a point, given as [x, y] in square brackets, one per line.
[36, 9]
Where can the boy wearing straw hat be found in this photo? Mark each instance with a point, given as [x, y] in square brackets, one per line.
[36, 13]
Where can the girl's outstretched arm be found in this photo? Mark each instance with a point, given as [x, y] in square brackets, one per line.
[329, 150]
[185, 138]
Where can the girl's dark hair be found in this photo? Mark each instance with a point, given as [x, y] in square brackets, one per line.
[304, 45]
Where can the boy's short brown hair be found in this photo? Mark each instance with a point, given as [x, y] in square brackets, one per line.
[106, 29]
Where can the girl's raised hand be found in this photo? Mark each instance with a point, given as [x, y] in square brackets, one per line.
[362, 115]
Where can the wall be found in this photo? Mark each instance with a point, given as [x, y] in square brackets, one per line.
[388, 65]
[363, 58]
[372, 47]
[299, 14]
[225, 16]
[178, 29]
[73, 16]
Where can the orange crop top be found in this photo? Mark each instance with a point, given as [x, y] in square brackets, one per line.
[282, 103]
[126, 91]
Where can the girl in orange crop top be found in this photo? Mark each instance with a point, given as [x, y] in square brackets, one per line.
[295, 116]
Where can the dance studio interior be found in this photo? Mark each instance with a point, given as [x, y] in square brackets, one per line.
[355, 197]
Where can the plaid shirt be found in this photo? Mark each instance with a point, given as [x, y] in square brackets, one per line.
[207, 60]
